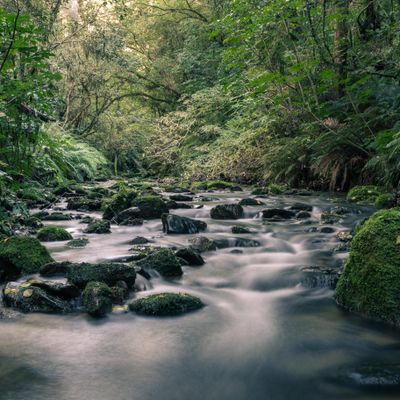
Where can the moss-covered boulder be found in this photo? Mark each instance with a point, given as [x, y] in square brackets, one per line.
[97, 299]
[166, 304]
[202, 244]
[120, 202]
[164, 261]
[98, 226]
[151, 207]
[78, 243]
[212, 185]
[83, 204]
[370, 283]
[53, 234]
[227, 211]
[22, 254]
[28, 297]
[364, 194]
[109, 273]
[56, 216]
[190, 257]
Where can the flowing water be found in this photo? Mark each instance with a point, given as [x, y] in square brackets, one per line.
[262, 335]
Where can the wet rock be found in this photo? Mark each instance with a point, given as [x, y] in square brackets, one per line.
[164, 261]
[64, 291]
[22, 254]
[190, 256]
[277, 213]
[374, 376]
[304, 193]
[327, 229]
[133, 222]
[303, 215]
[259, 191]
[173, 205]
[139, 240]
[329, 218]
[240, 229]
[313, 229]
[109, 273]
[151, 207]
[78, 243]
[174, 224]
[342, 248]
[120, 292]
[166, 304]
[236, 251]
[174, 189]
[202, 244]
[227, 211]
[27, 298]
[86, 220]
[97, 299]
[251, 202]
[301, 207]
[236, 242]
[236, 189]
[56, 269]
[83, 204]
[340, 210]
[57, 216]
[132, 213]
[180, 197]
[53, 234]
[120, 202]
[320, 277]
[98, 226]
[208, 199]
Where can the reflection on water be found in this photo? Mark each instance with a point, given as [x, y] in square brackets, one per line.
[261, 336]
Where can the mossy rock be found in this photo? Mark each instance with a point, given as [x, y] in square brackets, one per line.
[212, 185]
[151, 207]
[385, 200]
[364, 194]
[78, 243]
[97, 299]
[237, 229]
[98, 226]
[56, 216]
[120, 202]
[83, 204]
[227, 211]
[22, 254]
[370, 283]
[53, 234]
[109, 273]
[166, 304]
[164, 261]
[274, 188]
[251, 202]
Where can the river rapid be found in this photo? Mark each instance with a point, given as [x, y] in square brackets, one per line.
[262, 335]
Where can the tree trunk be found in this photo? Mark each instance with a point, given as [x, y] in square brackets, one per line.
[341, 45]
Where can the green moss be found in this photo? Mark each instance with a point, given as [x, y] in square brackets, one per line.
[97, 299]
[274, 188]
[364, 194]
[165, 304]
[119, 202]
[164, 261]
[370, 283]
[150, 206]
[212, 185]
[98, 226]
[53, 234]
[23, 254]
[385, 200]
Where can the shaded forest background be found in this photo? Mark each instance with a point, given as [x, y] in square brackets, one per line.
[304, 93]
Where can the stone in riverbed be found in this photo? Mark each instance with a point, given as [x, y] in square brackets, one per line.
[320, 277]
[123, 218]
[29, 298]
[83, 204]
[191, 257]
[236, 242]
[227, 211]
[301, 207]
[78, 243]
[98, 226]
[374, 376]
[97, 299]
[164, 261]
[251, 202]
[173, 205]
[180, 197]
[277, 213]
[303, 215]
[53, 234]
[109, 273]
[57, 216]
[202, 244]
[175, 224]
[151, 207]
[166, 304]
[22, 254]
[240, 229]
[139, 241]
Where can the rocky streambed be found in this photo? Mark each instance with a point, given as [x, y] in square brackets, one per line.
[216, 295]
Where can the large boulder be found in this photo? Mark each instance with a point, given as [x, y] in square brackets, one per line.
[190, 257]
[151, 207]
[227, 211]
[120, 202]
[127, 216]
[202, 244]
[174, 224]
[29, 298]
[53, 234]
[277, 213]
[97, 299]
[22, 254]
[98, 226]
[166, 304]
[109, 273]
[164, 261]
[370, 283]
